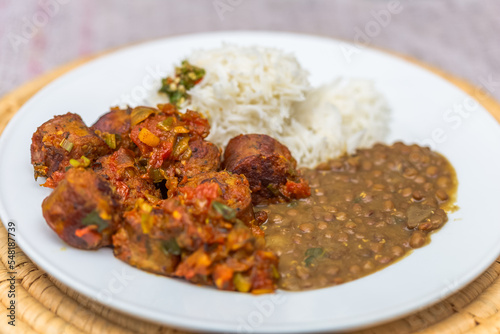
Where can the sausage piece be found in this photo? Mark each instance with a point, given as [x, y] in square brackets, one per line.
[82, 209]
[142, 247]
[59, 140]
[172, 145]
[114, 126]
[196, 235]
[269, 167]
[164, 133]
[205, 157]
[122, 170]
[233, 189]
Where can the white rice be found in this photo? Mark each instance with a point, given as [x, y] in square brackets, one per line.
[335, 119]
[266, 91]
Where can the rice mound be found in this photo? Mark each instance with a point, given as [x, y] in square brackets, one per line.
[266, 91]
[335, 119]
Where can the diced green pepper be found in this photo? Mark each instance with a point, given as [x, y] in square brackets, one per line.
[171, 247]
[93, 218]
[226, 212]
[66, 144]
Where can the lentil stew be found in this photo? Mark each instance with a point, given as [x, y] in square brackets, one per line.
[366, 211]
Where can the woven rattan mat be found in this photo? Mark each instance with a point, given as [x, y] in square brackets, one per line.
[46, 306]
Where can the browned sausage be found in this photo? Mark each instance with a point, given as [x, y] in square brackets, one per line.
[269, 167]
[60, 139]
[205, 157]
[122, 171]
[115, 122]
[196, 235]
[82, 210]
[172, 145]
[139, 248]
[234, 190]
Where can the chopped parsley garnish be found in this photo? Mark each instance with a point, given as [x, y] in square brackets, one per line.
[186, 77]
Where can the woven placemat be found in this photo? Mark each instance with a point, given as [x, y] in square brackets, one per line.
[43, 305]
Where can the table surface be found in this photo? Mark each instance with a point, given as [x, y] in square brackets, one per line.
[460, 37]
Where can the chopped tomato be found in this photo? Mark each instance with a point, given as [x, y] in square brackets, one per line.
[297, 190]
[161, 153]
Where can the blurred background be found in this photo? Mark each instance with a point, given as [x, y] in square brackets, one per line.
[460, 37]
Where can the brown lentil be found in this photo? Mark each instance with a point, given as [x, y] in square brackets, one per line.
[420, 179]
[328, 217]
[306, 227]
[406, 192]
[397, 251]
[322, 225]
[431, 171]
[341, 216]
[388, 206]
[417, 239]
[441, 194]
[368, 266]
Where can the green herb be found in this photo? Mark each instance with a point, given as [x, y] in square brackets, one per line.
[309, 261]
[226, 212]
[360, 197]
[171, 247]
[312, 254]
[180, 147]
[93, 218]
[316, 252]
[293, 204]
[186, 77]
[272, 188]
[110, 139]
[166, 124]
[66, 144]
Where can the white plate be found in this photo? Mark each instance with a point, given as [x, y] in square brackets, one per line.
[458, 253]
